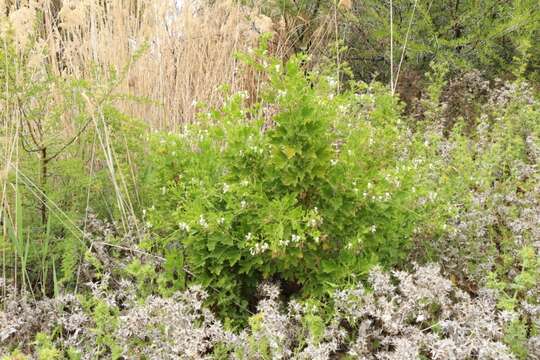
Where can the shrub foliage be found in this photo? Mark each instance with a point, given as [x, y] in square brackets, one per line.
[306, 185]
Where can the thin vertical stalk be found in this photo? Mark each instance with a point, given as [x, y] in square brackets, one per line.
[392, 46]
[337, 48]
[405, 44]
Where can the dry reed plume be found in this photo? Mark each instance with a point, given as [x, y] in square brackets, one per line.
[190, 48]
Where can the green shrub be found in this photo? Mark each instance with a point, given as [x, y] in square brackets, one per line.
[45, 348]
[306, 186]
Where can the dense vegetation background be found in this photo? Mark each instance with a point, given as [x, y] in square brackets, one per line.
[289, 179]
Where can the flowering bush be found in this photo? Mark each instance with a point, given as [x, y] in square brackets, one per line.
[488, 179]
[305, 186]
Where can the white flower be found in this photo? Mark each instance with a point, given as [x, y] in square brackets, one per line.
[183, 226]
[226, 188]
[202, 222]
[259, 248]
[284, 243]
[332, 82]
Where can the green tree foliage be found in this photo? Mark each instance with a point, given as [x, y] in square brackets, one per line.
[489, 35]
[497, 37]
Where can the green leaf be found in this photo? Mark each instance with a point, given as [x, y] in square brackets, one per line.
[289, 151]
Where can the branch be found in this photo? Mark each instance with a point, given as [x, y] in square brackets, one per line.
[84, 127]
[71, 141]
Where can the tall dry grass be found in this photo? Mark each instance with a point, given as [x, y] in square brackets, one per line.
[190, 48]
